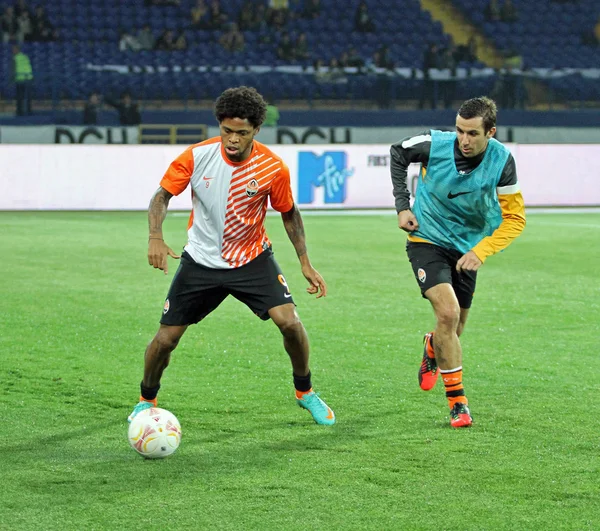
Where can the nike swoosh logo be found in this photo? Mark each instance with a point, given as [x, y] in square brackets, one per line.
[207, 178]
[287, 295]
[452, 196]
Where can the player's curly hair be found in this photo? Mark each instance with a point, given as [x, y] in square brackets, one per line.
[484, 107]
[241, 102]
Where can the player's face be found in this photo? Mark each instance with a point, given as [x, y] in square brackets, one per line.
[237, 136]
[472, 139]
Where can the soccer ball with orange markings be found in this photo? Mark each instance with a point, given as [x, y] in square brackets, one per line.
[154, 433]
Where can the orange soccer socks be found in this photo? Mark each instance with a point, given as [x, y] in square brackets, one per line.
[455, 391]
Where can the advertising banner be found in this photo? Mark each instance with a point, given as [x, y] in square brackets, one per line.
[332, 176]
[68, 134]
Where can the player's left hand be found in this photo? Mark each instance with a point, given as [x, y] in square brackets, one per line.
[468, 262]
[317, 284]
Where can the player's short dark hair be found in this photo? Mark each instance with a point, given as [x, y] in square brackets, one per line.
[484, 107]
[241, 102]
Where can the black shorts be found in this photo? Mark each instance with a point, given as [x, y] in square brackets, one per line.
[197, 290]
[433, 265]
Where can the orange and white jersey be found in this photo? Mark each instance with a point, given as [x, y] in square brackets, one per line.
[229, 200]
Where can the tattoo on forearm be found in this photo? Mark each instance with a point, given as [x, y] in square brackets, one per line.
[157, 211]
[294, 227]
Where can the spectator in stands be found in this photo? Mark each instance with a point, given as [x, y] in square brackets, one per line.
[276, 19]
[597, 32]
[233, 39]
[257, 21]
[129, 113]
[384, 58]
[492, 11]
[23, 79]
[343, 59]
[272, 116]
[25, 26]
[146, 39]
[280, 11]
[245, 19]
[431, 60]
[285, 48]
[180, 40]
[362, 20]
[336, 72]
[374, 61]
[127, 42]
[508, 12]
[90, 110]
[217, 19]
[329, 74]
[447, 86]
[39, 15]
[301, 48]
[200, 15]
[466, 52]
[43, 30]
[21, 7]
[312, 9]
[319, 69]
[509, 87]
[10, 26]
[166, 42]
[354, 58]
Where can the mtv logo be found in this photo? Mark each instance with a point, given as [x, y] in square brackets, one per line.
[328, 171]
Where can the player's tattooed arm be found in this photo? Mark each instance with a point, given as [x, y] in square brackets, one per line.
[158, 250]
[292, 221]
[157, 212]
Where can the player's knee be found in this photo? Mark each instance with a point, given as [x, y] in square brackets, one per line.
[448, 316]
[166, 342]
[291, 326]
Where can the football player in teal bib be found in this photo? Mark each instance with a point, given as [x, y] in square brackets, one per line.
[468, 206]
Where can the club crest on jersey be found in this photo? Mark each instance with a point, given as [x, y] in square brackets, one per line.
[252, 188]
[166, 306]
[421, 275]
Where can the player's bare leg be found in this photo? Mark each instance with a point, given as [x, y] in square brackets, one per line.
[156, 360]
[450, 321]
[296, 344]
[158, 353]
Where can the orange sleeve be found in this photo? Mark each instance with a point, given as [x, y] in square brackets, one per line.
[282, 199]
[513, 223]
[178, 176]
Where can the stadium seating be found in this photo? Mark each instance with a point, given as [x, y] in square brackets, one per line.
[547, 34]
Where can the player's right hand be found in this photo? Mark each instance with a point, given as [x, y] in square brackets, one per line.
[158, 251]
[407, 221]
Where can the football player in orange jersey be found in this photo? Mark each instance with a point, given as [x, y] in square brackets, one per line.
[232, 178]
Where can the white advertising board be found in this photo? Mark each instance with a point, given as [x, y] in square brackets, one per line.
[121, 177]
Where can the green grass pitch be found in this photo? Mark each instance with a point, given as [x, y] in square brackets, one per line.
[80, 303]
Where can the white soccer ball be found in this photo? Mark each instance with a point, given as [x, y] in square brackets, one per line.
[154, 433]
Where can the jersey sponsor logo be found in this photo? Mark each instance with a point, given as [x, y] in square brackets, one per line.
[252, 188]
[166, 306]
[207, 181]
[328, 171]
[452, 196]
[421, 275]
